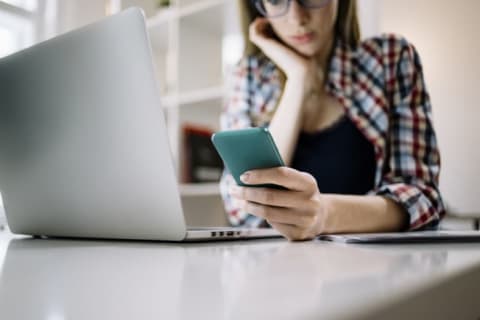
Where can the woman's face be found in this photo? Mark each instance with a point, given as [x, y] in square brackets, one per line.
[306, 31]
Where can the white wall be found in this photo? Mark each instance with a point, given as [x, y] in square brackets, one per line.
[368, 12]
[445, 33]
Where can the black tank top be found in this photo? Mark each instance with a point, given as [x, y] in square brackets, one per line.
[340, 158]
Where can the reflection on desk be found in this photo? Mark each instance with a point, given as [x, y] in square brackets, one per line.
[69, 279]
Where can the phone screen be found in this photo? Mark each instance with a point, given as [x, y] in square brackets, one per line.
[247, 149]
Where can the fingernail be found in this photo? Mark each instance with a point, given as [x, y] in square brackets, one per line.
[244, 177]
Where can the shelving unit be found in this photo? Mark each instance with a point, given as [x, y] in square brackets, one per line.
[194, 45]
[203, 189]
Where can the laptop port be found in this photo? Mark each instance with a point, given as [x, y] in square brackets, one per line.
[220, 233]
[229, 233]
[214, 233]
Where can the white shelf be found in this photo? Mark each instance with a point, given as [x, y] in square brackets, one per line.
[173, 13]
[199, 189]
[212, 93]
[189, 42]
[194, 97]
[162, 17]
[199, 6]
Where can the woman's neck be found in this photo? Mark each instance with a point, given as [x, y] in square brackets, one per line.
[323, 55]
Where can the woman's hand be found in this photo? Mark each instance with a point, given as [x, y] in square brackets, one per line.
[292, 64]
[299, 213]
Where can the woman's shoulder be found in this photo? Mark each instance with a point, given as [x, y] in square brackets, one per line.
[257, 60]
[387, 47]
[257, 66]
[257, 83]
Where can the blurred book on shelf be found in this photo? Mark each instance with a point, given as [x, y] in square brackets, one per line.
[201, 162]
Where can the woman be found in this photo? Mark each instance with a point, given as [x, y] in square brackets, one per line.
[352, 121]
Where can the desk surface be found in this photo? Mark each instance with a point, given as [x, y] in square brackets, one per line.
[267, 279]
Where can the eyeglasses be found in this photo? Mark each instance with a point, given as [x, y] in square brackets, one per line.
[277, 8]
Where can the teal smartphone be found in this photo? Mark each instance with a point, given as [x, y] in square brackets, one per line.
[246, 149]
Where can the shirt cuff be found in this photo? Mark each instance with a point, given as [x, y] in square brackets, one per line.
[423, 213]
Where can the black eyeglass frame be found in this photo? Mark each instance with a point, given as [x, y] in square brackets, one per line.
[304, 3]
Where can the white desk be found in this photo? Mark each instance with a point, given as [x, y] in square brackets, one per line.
[268, 279]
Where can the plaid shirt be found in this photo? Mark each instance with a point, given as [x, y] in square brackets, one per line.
[381, 87]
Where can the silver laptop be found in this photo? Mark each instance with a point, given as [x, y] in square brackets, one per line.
[83, 143]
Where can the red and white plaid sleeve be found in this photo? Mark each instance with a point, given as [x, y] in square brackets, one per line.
[411, 173]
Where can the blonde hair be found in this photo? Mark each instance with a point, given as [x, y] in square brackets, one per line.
[347, 28]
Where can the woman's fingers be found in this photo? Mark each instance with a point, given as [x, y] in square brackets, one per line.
[269, 196]
[284, 176]
[298, 212]
[292, 233]
[279, 215]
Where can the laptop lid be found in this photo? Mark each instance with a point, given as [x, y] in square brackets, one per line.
[84, 146]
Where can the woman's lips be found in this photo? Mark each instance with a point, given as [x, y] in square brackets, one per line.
[303, 38]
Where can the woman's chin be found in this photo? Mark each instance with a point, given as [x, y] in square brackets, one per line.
[306, 52]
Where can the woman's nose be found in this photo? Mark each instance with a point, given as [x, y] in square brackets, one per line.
[297, 14]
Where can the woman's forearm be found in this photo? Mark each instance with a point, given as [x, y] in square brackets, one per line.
[352, 214]
[285, 124]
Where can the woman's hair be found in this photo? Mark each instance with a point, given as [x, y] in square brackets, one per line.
[347, 28]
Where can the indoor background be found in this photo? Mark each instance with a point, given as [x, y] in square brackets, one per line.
[196, 42]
